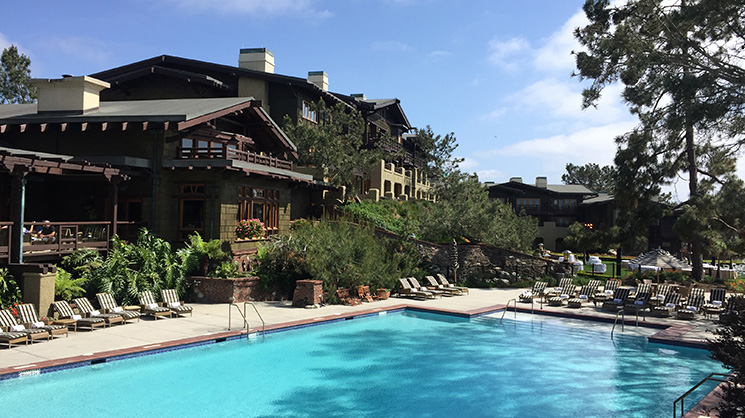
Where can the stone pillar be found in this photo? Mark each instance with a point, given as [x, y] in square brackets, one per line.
[307, 292]
[37, 287]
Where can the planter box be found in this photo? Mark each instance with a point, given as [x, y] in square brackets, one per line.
[214, 290]
[383, 295]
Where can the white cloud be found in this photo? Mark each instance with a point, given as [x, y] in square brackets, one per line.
[496, 113]
[549, 155]
[440, 54]
[263, 7]
[4, 42]
[508, 54]
[390, 46]
[88, 49]
[555, 54]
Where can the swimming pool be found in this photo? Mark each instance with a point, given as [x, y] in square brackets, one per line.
[406, 364]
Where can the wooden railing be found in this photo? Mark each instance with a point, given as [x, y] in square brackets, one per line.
[68, 237]
[227, 153]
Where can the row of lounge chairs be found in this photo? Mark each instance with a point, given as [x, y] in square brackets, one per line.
[28, 327]
[662, 303]
[435, 287]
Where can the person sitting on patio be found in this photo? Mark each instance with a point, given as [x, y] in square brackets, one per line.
[48, 232]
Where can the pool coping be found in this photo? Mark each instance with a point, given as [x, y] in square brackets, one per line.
[667, 335]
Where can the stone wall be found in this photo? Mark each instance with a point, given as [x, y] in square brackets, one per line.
[214, 290]
[481, 262]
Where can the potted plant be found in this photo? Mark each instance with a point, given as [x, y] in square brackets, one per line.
[383, 293]
[249, 229]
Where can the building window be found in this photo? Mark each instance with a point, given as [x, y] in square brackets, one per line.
[530, 203]
[563, 221]
[261, 204]
[565, 203]
[191, 209]
[309, 113]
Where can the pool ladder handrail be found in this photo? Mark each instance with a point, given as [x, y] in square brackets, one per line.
[682, 397]
[623, 320]
[507, 307]
[243, 314]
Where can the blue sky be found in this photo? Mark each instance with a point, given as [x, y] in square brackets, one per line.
[496, 73]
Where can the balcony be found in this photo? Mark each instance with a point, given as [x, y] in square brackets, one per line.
[68, 237]
[230, 153]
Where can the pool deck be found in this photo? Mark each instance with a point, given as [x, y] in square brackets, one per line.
[210, 323]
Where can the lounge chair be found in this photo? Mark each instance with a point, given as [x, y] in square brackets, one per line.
[13, 337]
[150, 307]
[639, 304]
[608, 290]
[566, 292]
[618, 301]
[433, 283]
[109, 305]
[641, 288]
[692, 306]
[669, 305]
[585, 295]
[65, 312]
[27, 312]
[346, 298]
[565, 287]
[443, 281]
[405, 289]
[86, 309]
[9, 324]
[415, 284]
[363, 292]
[172, 302]
[538, 290]
[715, 305]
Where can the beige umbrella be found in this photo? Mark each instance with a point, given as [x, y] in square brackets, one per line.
[661, 259]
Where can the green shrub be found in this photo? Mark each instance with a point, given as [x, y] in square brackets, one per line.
[341, 254]
[66, 287]
[10, 293]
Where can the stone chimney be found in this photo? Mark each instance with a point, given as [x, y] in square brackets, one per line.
[516, 179]
[258, 59]
[68, 94]
[320, 79]
[541, 182]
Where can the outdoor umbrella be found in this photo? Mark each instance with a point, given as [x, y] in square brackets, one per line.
[454, 261]
[661, 259]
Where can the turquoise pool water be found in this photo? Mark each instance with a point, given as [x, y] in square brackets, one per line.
[397, 365]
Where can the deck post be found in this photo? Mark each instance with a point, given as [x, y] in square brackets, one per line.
[18, 208]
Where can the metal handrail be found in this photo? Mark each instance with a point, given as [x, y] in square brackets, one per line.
[263, 325]
[507, 307]
[682, 397]
[623, 319]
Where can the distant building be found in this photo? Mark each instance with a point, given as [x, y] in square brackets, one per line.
[557, 206]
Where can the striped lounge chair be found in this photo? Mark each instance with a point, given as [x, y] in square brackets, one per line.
[109, 305]
[150, 307]
[585, 293]
[415, 284]
[618, 301]
[13, 337]
[27, 312]
[65, 312]
[10, 324]
[172, 302]
[538, 290]
[608, 290]
[668, 305]
[693, 305]
[86, 309]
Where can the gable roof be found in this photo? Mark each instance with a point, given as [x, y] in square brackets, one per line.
[175, 113]
[220, 76]
[520, 188]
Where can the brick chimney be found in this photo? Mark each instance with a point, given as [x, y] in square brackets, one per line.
[320, 79]
[258, 59]
[68, 94]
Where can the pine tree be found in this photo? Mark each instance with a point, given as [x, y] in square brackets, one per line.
[15, 77]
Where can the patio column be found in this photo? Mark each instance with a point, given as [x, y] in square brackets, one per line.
[17, 210]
